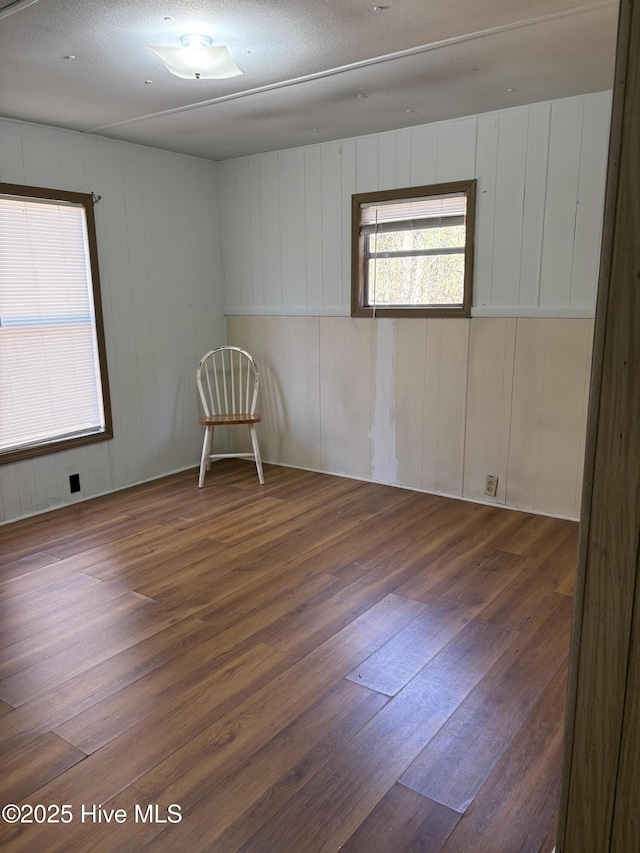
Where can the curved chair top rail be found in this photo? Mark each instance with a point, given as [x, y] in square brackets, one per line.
[228, 380]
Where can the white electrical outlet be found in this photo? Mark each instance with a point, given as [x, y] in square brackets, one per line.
[491, 485]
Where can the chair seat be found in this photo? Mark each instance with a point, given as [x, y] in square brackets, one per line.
[223, 420]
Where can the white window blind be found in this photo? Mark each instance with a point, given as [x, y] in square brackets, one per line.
[50, 383]
[413, 211]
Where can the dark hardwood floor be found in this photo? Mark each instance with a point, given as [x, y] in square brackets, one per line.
[318, 664]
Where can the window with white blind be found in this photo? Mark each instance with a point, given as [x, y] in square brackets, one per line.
[413, 251]
[53, 379]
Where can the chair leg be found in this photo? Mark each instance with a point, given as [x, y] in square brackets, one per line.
[210, 448]
[256, 453]
[206, 450]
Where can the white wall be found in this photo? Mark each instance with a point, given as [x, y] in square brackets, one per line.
[159, 256]
[540, 171]
[431, 404]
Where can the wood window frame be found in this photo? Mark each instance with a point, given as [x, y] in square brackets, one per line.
[359, 306]
[56, 445]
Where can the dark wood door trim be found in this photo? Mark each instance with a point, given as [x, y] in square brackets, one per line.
[602, 644]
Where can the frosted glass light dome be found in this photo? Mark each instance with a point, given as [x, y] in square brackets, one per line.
[197, 59]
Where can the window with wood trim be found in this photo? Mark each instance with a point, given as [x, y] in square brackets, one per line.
[54, 391]
[412, 251]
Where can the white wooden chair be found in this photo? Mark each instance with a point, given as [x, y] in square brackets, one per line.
[228, 382]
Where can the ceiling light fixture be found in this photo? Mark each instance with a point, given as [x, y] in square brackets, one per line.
[198, 58]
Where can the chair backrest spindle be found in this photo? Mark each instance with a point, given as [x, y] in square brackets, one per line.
[233, 383]
[209, 409]
[224, 383]
[215, 406]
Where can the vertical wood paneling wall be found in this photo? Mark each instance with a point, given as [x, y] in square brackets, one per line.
[430, 404]
[540, 172]
[159, 254]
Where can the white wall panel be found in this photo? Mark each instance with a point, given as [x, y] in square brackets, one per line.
[72, 150]
[540, 172]
[299, 378]
[509, 205]
[115, 263]
[456, 149]
[12, 165]
[293, 235]
[491, 353]
[424, 155]
[40, 156]
[349, 169]
[434, 405]
[485, 171]
[387, 161]
[431, 404]
[591, 186]
[245, 294]
[274, 361]
[403, 158]
[410, 399]
[229, 230]
[161, 281]
[311, 448]
[164, 265]
[384, 460]
[535, 198]
[332, 229]
[333, 394]
[561, 202]
[359, 377]
[255, 230]
[180, 362]
[526, 411]
[313, 223]
[367, 173]
[27, 488]
[271, 228]
[561, 416]
[452, 403]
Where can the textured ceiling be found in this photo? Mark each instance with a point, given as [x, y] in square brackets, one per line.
[307, 66]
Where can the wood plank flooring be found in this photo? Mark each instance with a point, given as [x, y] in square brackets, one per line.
[317, 664]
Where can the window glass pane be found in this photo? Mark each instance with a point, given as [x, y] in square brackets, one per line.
[430, 280]
[424, 238]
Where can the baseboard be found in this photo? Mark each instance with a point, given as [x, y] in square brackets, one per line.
[81, 500]
[424, 491]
